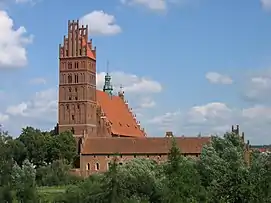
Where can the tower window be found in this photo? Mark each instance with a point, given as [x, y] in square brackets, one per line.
[73, 117]
[76, 65]
[69, 65]
[78, 106]
[75, 89]
[70, 98]
[76, 98]
[67, 53]
[70, 89]
[80, 51]
[69, 79]
[67, 107]
[76, 78]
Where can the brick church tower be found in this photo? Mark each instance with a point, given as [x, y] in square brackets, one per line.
[77, 82]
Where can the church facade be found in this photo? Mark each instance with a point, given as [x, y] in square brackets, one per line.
[103, 124]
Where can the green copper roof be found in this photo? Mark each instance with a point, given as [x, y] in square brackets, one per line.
[108, 88]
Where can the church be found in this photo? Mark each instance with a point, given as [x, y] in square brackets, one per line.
[103, 124]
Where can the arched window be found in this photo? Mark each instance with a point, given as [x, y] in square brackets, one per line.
[97, 166]
[76, 78]
[69, 79]
[108, 165]
[69, 65]
[88, 167]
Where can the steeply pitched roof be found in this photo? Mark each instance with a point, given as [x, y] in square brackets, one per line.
[117, 112]
[187, 145]
[90, 53]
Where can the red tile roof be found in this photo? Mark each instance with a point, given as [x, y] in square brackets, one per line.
[118, 114]
[90, 53]
[188, 145]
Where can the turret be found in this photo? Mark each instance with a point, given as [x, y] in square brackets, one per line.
[121, 94]
[108, 88]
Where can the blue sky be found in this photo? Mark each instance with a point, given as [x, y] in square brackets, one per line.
[187, 66]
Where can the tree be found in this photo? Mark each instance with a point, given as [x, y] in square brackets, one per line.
[224, 172]
[182, 181]
[260, 177]
[34, 141]
[24, 182]
[141, 180]
[57, 173]
[6, 164]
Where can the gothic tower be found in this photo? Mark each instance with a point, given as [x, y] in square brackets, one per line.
[77, 82]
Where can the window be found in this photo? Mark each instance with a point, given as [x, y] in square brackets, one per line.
[73, 117]
[76, 78]
[88, 167]
[108, 156]
[70, 89]
[76, 98]
[67, 106]
[134, 156]
[78, 106]
[80, 52]
[108, 165]
[69, 79]
[120, 163]
[70, 65]
[67, 53]
[75, 89]
[70, 98]
[76, 65]
[97, 166]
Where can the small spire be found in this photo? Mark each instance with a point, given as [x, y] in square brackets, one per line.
[121, 92]
[108, 88]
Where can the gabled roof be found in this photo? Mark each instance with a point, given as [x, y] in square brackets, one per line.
[155, 145]
[118, 114]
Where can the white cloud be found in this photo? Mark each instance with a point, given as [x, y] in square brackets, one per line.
[258, 87]
[211, 111]
[37, 81]
[147, 102]
[100, 23]
[42, 105]
[12, 43]
[258, 112]
[150, 4]
[216, 118]
[217, 78]
[131, 83]
[158, 5]
[3, 118]
[266, 4]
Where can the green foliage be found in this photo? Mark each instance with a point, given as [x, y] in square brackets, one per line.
[221, 175]
[56, 173]
[24, 182]
[182, 180]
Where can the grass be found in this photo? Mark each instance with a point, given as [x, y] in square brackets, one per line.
[54, 189]
[50, 194]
